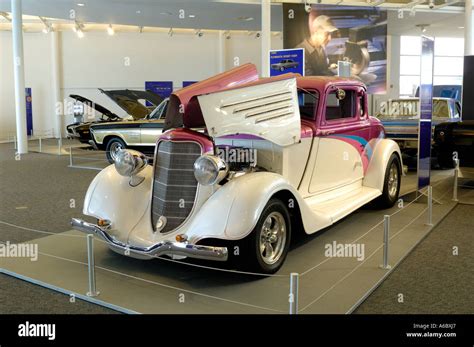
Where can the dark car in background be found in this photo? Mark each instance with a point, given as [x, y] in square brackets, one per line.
[80, 129]
[131, 101]
[450, 138]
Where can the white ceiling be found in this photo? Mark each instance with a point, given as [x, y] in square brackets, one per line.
[155, 13]
[214, 14]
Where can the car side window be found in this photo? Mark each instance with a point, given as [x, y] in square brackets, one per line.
[308, 103]
[341, 104]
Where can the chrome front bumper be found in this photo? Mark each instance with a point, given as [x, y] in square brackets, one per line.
[162, 248]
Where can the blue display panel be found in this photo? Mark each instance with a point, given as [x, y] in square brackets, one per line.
[287, 60]
[162, 88]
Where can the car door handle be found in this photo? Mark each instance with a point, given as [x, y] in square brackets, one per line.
[327, 132]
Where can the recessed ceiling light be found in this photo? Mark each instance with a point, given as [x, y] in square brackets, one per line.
[81, 4]
[245, 19]
[192, 16]
[110, 30]
[460, 27]
[138, 12]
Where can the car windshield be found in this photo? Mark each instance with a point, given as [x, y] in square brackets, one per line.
[308, 103]
[160, 110]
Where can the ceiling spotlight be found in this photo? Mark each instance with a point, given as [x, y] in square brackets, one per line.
[6, 16]
[227, 34]
[140, 29]
[257, 35]
[422, 27]
[78, 27]
[245, 18]
[110, 30]
[170, 32]
[431, 4]
[199, 33]
[47, 28]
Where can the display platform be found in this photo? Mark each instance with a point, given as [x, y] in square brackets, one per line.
[326, 284]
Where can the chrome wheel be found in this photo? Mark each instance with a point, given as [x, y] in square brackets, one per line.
[272, 238]
[393, 180]
[115, 147]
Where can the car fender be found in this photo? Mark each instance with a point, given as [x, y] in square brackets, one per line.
[381, 153]
[232, 212]
[110, 196]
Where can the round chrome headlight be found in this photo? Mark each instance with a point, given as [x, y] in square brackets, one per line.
[209, 169]
[129, 162]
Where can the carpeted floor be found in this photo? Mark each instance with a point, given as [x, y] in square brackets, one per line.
[36, 192]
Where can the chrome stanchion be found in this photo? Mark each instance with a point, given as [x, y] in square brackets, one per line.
[430, 206]
[456, 175]
[386, 232]
[293, 297]
[70, 156]
[91, 266]
[40, 144]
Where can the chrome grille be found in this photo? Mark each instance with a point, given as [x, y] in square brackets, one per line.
[174, 185]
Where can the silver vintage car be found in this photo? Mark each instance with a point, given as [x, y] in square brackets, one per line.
[140, 134]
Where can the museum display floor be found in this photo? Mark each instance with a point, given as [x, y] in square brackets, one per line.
[327, 285]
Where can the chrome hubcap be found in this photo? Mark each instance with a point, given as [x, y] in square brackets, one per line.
[114, 149]
[393, 180]
[272, 239]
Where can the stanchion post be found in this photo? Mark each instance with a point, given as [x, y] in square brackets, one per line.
[91, 266]
[40, 144]
[14, 141]
[70, 156]
[293, 297]
[456, 175]
[386, 233]
[430, 206]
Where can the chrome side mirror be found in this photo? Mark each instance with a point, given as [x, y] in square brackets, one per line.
[129, 163]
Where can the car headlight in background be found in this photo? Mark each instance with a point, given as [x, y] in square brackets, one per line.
[209, 170]
[129, 162]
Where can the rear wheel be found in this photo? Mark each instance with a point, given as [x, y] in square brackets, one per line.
[391, 187]
[269, 242]
[114, 145]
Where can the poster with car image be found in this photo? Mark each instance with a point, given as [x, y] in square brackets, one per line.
[329, 34]
[287, 60]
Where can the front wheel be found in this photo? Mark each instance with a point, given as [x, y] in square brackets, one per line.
[113, 147]
[391, 186]
[270, 239]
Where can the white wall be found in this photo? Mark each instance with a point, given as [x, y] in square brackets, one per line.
[37, 76]
[99, 61]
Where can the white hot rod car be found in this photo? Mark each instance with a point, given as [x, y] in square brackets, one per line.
[316, 157]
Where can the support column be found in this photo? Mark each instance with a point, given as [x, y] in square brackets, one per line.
[468, 29]
[19, 76]
[55, 84]
[266, 37]
[221, 50]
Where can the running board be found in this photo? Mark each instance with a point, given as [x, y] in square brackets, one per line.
[341, 206]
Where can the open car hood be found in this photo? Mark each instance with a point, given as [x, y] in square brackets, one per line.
[267, 109]
[99, 108]
[184, 109]
[129, 101]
